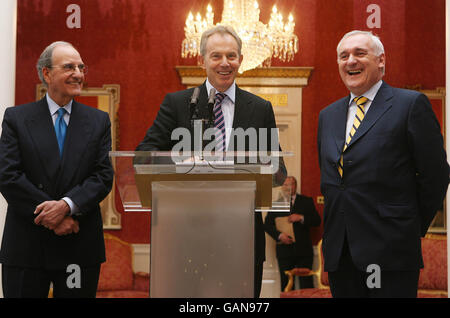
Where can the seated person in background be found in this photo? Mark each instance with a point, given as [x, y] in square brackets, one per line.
[293, 251]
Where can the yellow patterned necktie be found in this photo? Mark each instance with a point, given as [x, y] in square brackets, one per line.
[360, 102]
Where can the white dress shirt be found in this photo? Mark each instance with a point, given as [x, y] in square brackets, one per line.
[53, 108]
[227, 108]
[370, 95]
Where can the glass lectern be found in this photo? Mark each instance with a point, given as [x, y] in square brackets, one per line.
[202, 220]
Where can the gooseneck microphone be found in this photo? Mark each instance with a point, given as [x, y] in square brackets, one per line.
[197, 123]
[211, 102]
[193, 103]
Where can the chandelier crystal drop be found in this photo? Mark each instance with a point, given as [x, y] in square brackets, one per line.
[260, 42]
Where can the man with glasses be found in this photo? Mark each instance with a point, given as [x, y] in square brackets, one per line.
[54, 172]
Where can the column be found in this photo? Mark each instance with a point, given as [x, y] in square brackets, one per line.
[8, 23]
[447, 119]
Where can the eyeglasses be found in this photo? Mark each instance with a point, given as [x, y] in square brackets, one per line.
[71, 68]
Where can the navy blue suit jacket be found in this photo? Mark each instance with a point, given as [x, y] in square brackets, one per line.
[31, 171]
[395, 179]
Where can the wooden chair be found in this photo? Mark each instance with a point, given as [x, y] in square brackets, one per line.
[432, 279]
[117, 278]
[323, 288]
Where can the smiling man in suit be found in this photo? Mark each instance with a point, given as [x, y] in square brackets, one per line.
[384, 174]
[221, 57]
[54, 172]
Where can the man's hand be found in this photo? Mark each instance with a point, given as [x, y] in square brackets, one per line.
[285, 239]
[296, 218]
[51, 213]
[67, 226]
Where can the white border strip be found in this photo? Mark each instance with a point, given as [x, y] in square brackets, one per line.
[447, 119]
[8, 27]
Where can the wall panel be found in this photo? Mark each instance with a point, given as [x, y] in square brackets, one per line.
[137, 44]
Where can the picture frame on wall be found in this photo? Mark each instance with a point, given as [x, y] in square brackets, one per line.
[437, 100]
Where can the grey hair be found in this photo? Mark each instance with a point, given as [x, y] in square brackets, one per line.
[221, 29]
[377, 46]
[45, 60]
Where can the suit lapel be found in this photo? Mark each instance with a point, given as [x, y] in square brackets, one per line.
[202, 103]
[295, 203]
[381, 103]
[243, 108]
[42, 132]
[77, 138]
[340, 122]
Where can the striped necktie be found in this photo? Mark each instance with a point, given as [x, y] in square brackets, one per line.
[219, 122]
[60, 129]
[360, 102]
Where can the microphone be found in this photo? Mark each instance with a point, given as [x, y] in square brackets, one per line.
[193, 103]
[211, 102]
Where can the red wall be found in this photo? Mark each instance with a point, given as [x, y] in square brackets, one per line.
[137, 44]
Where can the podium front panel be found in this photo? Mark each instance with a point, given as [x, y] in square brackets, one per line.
[202, 239]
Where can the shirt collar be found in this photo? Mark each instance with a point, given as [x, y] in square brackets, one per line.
[230, 92]
[370, 94]
[53, 107]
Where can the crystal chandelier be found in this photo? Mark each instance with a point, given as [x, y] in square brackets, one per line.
[260, 42]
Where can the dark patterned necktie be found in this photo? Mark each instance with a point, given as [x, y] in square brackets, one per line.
[360, 102]
[219, 122]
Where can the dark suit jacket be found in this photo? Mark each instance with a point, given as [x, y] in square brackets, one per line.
[31, 172]
[395, 178]
[303, 244]
[250, 111]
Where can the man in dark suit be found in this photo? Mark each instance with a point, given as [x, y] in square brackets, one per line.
[220, 57]
[54, 171]
[384, 174]
[294, 251]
